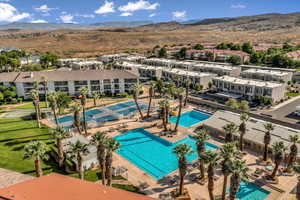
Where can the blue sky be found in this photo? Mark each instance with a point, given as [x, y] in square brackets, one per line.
[91, 11]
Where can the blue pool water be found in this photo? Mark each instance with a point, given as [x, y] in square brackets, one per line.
[65, 119]
[93, 112]
[121, 105]
[152, 154]
[191, 118]
[251, 191]
[106, 118]
[131, 110]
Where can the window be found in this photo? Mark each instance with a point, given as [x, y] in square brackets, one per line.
[80, 83]
[60, 83]
[95, 82]
[106, 81]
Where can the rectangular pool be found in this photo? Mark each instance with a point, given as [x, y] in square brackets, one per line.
[251, 191]
[106, 118]
[130, 110]
[120, 106]
[191, 118]
[153, 154]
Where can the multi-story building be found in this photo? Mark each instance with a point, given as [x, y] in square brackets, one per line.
[268, 75]
[219, 69]
[112, 58]
[250, 89]
[104, 81]
[88, 64]
[67, 62]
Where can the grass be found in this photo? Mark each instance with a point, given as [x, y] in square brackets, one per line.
[29, 105]
[292, 94]
[16, 133]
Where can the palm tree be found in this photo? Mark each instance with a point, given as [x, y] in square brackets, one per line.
[278, 150]
[269, 127]
[296, 168]
[294, 139]
[52, 97]
[77, 151]
[242, 129]
[201, 137]
[159, 84]
[179, 93]
[77, 121]
[229, 130]
[83, 93]
[96, 96]
[187, 89]
[137, 88]
[99, 139]
[162, 103]
[227, 152]
[44, 80]
[211, 158]
[59, 133]
[111, 145]
[151, 94]
[239, 171]
[182, 150]
[34, 94]
[36, 150]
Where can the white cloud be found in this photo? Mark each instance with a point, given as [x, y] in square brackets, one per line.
[107, 7]
[5, 0]
[179, 14]
[44, 9]
[85, 15]
[152, 15]
[39, 21]
[8, 13]
[138, 5]
[67, 19]
[126, 14]
[238, 6]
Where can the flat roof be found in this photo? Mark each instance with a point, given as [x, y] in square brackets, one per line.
[266, 72]
[60, 187]
[255, 128]
[187, 73]
[248, 82]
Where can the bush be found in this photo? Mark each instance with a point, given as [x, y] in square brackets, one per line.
[122, 95]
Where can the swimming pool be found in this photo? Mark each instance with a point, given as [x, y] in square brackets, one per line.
[251, 191]
[106, 118]
[191, 118]
[120, 106]
[131, 110]
[153, 154]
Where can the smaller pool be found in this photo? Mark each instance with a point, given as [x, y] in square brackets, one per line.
[65, 119]
[106, 118]
[251, 191]
[93, 112]
[131, 110]
[121, 105]
[191, 118]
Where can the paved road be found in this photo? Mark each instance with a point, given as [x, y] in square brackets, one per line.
[285, 113]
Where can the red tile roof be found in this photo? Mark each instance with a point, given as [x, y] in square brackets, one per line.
[294, 54]
[59, 187]
[220, 51]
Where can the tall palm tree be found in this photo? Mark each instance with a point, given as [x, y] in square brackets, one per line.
[45, 86]
[151, 94]
[36, 150]
[182, 150]
[111, 145]
[179, 93]
[227, 152]
[83, 93]
[96, 96]
[242, 129]
[100, 139]
[278, 150]
[159, 84]
[53, 97]
[163, 104]
[229, 130]
[187, 91]
[77, 121]
[34, 94]
[296, 169]
[201, 137]
[294, 139]
[269, 127]
[137, 88]
[239, 171]
[77, 151]
[59, 133]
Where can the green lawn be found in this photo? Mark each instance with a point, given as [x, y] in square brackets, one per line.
[29, 105]
[15, 133]
[292, 94]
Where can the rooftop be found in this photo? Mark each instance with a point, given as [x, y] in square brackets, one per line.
[59, 187]
[266, 72]
[294, 54]
[248, 82]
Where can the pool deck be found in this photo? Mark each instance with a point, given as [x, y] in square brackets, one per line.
[197, 192]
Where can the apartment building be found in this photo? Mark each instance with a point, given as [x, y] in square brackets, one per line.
[104, 81]
[194, 77]
[219, 69]
[249, 89]
[67, 62]
[88, 64]
[135, 59]
[268, 75]
[112, 58]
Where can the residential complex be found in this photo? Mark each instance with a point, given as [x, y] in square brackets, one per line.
[267, 75]
[250, 89]
[104, 81]
[112, 58]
